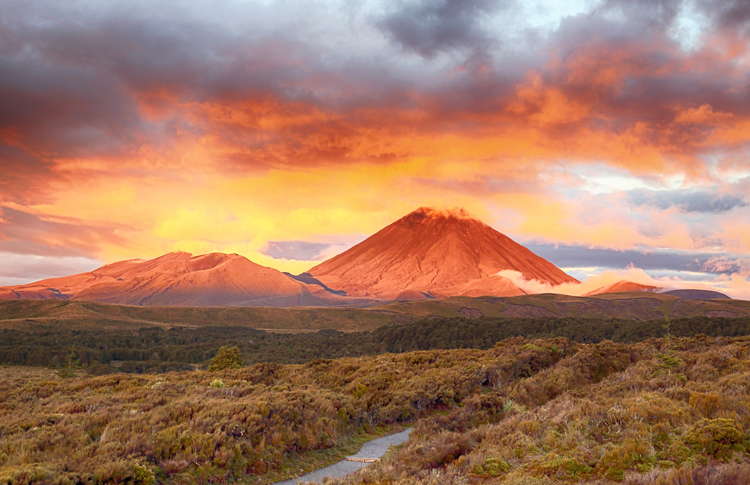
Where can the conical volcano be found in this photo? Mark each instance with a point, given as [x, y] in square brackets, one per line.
[435, 253]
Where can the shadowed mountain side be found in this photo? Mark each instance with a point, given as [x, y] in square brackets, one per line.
[697, 294]
[32, 293]
[632, 306]
[438, 253]
[308, 279]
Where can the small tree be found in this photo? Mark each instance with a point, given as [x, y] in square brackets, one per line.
[226, 358]
[667, 326]
[71, 365]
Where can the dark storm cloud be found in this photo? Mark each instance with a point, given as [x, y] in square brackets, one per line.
[300, 250]
[25, 233]
[686, 200]
[728, 13]
[77, 77]
[429, 27]
[656, 74]
[80, 80]
[57, 90]
[621, 66]
[86, 66]
[570, 256]
[104, 80]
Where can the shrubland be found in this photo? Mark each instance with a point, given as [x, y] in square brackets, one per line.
[525, 411]
[664, 411]
[211, 427]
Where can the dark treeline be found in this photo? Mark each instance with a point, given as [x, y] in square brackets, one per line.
[483, 333]
[154, 349]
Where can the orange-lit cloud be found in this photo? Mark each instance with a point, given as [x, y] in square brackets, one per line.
[135, 136]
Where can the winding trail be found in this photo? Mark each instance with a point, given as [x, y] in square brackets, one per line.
[371, 451]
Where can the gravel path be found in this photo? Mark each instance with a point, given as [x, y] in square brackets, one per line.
[372, 449]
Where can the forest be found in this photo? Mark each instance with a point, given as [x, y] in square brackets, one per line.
[156, 349]
[666, 410]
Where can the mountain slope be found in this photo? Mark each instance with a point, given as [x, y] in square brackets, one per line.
[693, 294]
[179, 278]
[435, 253]
[623, 286]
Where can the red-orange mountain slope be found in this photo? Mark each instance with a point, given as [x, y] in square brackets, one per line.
[178, 279]
[623, 286]
[435, 254]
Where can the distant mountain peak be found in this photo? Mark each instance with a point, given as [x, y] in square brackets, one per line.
[623, 286]
[435, 252]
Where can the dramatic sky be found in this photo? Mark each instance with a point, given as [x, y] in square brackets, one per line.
[606, 136]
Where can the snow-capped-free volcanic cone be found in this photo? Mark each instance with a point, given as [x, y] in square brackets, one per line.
[435, 253]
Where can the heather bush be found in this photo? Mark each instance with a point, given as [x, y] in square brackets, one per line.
[524, 411]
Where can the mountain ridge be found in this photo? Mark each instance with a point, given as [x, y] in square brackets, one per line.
[427, 254]
[178, 278]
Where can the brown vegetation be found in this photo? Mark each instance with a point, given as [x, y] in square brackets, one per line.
[658, 412]
[189, 427]
[525, 411]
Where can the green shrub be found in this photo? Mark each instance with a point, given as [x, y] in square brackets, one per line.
[494, 466]
[71, 366]
[143, 475]
[615, 474]
[719, 438]
[226, 358]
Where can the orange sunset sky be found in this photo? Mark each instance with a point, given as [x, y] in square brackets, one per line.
[610, 137]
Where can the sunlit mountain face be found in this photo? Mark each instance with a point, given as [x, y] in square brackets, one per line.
[426, 254]
[434, 254]
[609, 138]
